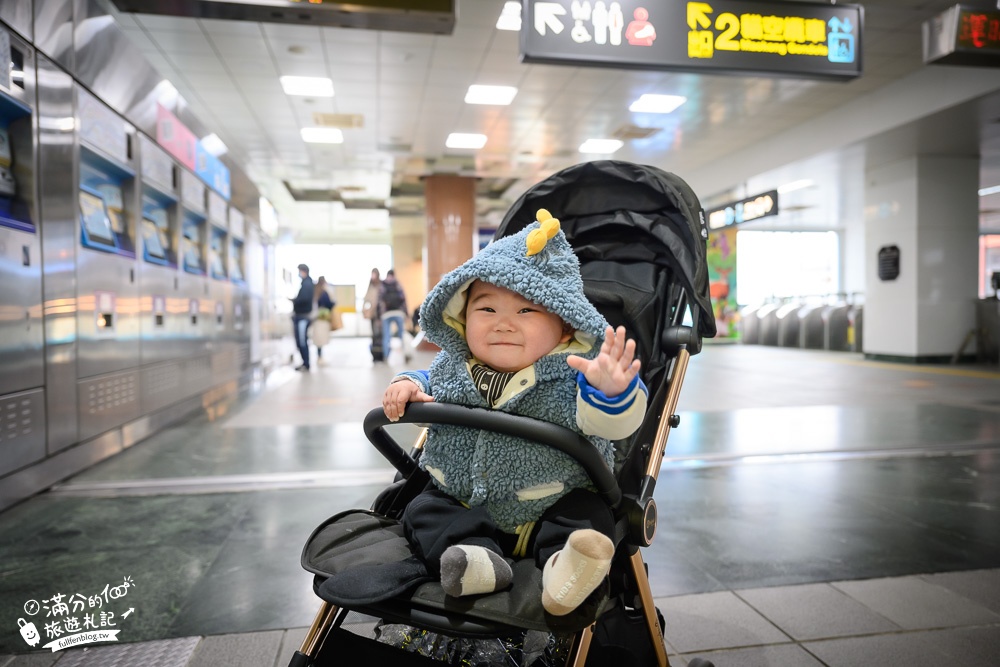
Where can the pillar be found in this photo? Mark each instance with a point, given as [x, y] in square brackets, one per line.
[928, 208]
[451, 211]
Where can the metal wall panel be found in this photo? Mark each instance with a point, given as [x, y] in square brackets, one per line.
[54, 30]
[161, 322]
[107, 313]
[107, 401]
[22, 429]
[17, 14]
[161, 385]
[57, 207]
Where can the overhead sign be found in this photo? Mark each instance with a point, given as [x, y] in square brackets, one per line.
[745, 210]
[963, 36]
[725, 36]
[423, 16]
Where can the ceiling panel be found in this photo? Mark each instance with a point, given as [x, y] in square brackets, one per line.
[410, 89]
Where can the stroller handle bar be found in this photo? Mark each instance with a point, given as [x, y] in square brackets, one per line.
[569, 442]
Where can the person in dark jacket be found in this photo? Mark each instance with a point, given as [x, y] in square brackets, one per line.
[302, 305]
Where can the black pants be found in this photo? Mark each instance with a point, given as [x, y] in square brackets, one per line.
[434, 521]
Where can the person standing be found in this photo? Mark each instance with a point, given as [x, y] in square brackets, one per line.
[369, 310]
[393, 313]
[321, 325]
[302, 306]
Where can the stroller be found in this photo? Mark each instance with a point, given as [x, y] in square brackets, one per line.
[640, 236]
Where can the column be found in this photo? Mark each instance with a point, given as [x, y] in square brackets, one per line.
[451, 211]
[928, 208]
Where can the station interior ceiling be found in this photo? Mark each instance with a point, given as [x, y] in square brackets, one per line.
[399, 94]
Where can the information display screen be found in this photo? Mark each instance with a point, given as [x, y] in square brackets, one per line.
[963, 36]
[151, 238]
[94, 217]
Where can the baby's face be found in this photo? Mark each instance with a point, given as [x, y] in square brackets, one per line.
[508, 332]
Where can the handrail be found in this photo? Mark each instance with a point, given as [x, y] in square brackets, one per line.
[569, 442]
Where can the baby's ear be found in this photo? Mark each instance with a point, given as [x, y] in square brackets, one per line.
[567, 332]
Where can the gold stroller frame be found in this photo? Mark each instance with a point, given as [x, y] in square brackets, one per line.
[642, 521]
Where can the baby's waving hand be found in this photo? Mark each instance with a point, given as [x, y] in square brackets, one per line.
[398, 394]
[612, 370]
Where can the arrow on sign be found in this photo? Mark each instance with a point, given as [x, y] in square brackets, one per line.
[130, 610]
[697, 14]
[545, 15]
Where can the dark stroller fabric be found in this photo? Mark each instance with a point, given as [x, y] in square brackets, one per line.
[640, 235]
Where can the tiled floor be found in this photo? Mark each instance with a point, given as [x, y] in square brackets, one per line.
[815, 509]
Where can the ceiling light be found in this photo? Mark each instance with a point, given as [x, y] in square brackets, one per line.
[657, 103]
[510, 16]
[794, 185]
[322, 135]
[213, 144]
[989, 191]
[490, 95]
[313, 86]
[603, 146]
[460, 140]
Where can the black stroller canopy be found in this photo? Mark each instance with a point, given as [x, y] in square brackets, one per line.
[626, 212]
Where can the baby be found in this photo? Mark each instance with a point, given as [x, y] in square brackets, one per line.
[517, 334]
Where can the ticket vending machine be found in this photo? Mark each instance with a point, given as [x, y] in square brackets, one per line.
[197, 309]
[224, 361]
[162, 309]
[22, 396]
[239, 323]
[106, 277]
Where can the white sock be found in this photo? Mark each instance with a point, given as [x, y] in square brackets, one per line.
[472, 570]
[571, 574]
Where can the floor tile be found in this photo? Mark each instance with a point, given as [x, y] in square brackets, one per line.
[257, 649]
[982, 586]
[815, 611]
[912, 603]
[904, 650]
[784, 655]
[969, 646]
[714, 621]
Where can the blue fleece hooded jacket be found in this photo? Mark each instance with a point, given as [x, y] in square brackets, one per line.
[515, 479]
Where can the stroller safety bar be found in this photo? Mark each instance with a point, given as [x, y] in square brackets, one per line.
[563, 439]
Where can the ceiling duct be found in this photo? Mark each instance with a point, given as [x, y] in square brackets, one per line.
[424, 16]
[628, 131]
[346, 121]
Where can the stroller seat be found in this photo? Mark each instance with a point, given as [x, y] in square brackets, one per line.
[639, 234]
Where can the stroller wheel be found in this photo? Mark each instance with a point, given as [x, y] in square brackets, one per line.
[698, 662]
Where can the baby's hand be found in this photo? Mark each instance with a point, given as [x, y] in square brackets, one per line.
[398, 394]
[612, 370]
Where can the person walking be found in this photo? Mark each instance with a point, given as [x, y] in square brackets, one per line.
[369, 310]
[302, 306]
[393, 312]
[322, 324]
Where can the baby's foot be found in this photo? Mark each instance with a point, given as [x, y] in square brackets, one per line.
[573, 573]
[470, 570]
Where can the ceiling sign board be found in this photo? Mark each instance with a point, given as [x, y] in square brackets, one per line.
[795, 39]
[745, 210]
[963, 36]
[425, 16]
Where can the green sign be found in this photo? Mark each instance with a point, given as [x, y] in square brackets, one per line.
[731, 36]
